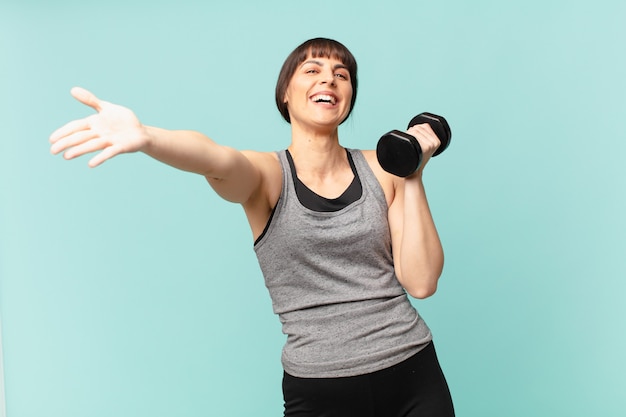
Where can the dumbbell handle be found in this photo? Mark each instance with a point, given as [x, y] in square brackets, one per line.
[399, 153]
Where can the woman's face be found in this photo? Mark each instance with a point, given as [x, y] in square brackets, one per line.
[319, 93]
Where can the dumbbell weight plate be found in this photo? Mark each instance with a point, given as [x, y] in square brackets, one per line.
[399, 153]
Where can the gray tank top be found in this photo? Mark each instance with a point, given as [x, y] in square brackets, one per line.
[332, 283]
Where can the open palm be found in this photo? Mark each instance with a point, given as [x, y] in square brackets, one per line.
[113, 130]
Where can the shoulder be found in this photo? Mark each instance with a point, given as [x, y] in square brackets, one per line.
[388, 182]
[266, 162]
[263, 160]
[259, 206]
[270, 171]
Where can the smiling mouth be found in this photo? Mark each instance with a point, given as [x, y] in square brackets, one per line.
[324, 98]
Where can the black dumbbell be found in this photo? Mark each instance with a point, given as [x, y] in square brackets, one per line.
[399, 153]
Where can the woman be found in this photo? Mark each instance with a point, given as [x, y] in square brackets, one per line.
[324, 220]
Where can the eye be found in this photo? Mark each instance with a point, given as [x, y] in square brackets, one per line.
[341, 75]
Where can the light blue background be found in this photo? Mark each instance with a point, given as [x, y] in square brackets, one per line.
[132, 290]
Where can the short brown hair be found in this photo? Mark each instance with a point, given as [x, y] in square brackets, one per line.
[316, 48]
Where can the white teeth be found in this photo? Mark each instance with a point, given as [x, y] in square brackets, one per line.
[323, 98]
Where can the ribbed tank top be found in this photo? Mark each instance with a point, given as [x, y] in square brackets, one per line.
[332, 283]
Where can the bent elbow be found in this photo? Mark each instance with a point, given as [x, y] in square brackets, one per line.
[421, 292]
[420, 285]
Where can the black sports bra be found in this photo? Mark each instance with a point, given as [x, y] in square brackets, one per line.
[313, 201]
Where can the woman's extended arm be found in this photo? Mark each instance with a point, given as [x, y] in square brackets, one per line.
[115, 129]
[417, 250]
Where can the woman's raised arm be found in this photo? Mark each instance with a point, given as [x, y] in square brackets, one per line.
[115, 129]
[417, 251]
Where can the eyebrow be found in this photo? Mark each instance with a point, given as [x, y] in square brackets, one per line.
[321, 64]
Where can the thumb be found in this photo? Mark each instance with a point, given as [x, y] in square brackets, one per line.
[86, 97]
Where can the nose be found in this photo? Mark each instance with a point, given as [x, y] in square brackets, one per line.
[328, 78]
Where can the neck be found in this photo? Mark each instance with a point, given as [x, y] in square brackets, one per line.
[316, 152]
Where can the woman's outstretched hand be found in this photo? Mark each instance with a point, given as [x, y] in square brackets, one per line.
[112, 130]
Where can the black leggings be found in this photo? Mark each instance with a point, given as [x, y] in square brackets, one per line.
[413, 388]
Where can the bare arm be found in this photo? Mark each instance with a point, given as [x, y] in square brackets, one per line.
[417, 250]
[115, 129]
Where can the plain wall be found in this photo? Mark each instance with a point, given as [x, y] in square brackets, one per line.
[133, 290]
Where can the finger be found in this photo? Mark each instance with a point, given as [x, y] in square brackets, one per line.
[107, 153]
[429, 142]
[84, 148]
[72, 140]
[86, 97]
[423, 128]
[425, 131]
[68, 129]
